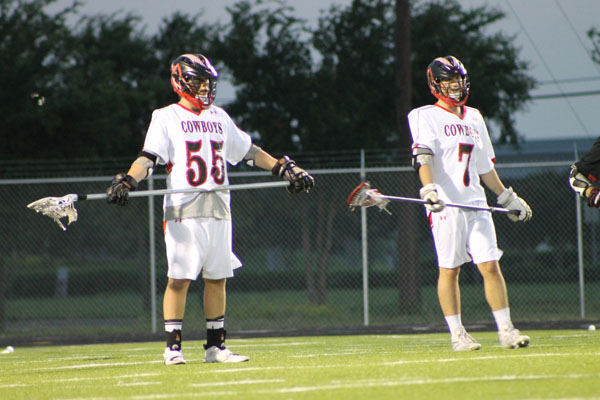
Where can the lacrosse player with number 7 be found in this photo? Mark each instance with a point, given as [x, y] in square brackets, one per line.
[452, 153]
[195, 139]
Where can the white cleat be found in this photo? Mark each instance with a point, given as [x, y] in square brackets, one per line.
[462, 341]
[511, 338]
[216, 354]
[173, 357]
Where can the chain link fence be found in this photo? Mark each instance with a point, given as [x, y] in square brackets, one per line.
[309, 263]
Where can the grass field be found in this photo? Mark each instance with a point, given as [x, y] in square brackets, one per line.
[558, 365]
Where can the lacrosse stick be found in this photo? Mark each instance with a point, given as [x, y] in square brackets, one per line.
[64, 207]
[364, 196]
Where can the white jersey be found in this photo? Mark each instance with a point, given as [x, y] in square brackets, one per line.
[195, 147]
[462, 150]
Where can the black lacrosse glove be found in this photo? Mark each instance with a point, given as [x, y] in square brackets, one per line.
[299, 179]
[118, 192]
[594, 197]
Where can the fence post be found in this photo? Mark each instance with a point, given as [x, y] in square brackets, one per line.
[364, 240]
[579, 246]
[152, 247]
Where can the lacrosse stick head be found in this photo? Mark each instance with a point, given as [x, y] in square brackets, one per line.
[364, 196]
[57, 208]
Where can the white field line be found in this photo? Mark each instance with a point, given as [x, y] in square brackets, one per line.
[345, 353]
[101, 378]
[512, 355]
[244, 382]
[138, 383]
[367, 383]
[180, 395]
[478, 358]
[273, 344]
[97, 365]
[422, 381]
[91, 378]
[14, 385]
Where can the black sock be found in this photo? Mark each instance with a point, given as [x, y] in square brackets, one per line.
[173, 333]
[215, 337]
[215, 332]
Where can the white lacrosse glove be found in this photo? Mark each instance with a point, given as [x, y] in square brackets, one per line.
[509, 199]
[430, 195]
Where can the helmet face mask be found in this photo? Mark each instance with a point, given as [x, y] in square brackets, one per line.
[448, 80]
[195, 79]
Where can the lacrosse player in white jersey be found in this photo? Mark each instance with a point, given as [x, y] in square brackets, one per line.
[195, 139]
[453, 154]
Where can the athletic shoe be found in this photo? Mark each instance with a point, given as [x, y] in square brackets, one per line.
[173, 357]
[462, 341]
[216, 354]
[511, 338]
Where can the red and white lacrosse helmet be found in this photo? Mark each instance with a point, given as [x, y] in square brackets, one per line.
[188, 73]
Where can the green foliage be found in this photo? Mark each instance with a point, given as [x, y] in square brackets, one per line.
[89, 91]
[356, 76]
[500, 83]
[594, 34]
[85, 92]
[271, 64]
[349, 94]
[30, 42]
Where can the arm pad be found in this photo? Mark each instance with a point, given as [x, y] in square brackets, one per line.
[421, 155]
[250, 156]
[148, 161]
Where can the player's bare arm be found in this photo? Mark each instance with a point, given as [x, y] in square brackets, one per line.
[492, 181]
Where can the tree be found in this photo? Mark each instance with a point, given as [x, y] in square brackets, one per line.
[85, 91]
[311, 90]
[500, 83]
[594, 34]
[407, 266]
[102, 95]
[30, 42]
[270, 63]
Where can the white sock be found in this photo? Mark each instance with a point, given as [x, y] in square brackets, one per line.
[454, 322]
[215, 323]
[502, 317]
[172, 325]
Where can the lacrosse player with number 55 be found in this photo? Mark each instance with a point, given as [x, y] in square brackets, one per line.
[452, 153]
[195, 139]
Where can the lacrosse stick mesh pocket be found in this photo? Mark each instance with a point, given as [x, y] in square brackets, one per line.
[57, 208]
[364, 196]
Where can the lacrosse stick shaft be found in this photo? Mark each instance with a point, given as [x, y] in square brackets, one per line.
[465, 206]
[159, 192]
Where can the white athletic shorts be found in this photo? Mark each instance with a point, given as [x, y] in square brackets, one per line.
[196, 245]
[462, 236]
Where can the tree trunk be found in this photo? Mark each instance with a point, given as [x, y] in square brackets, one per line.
[326, 226]
[308, 262]
[317, 240]
[409, 290]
